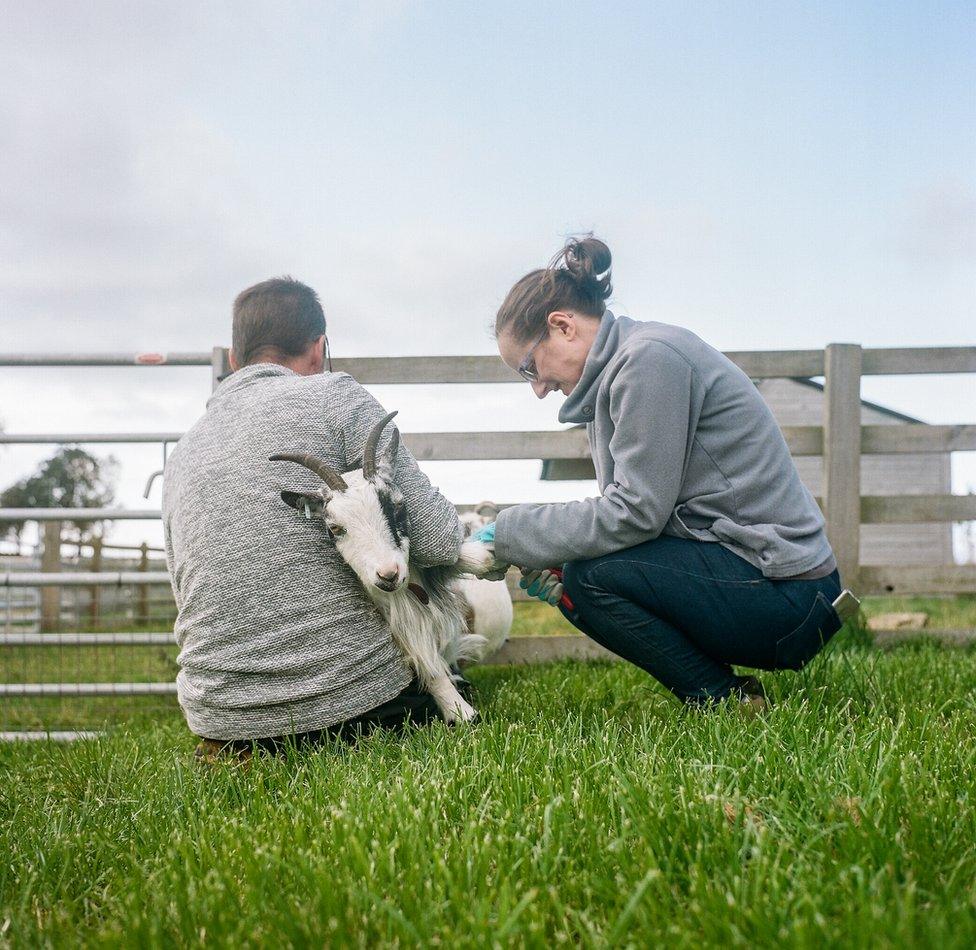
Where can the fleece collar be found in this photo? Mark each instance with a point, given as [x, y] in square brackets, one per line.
[579, 404]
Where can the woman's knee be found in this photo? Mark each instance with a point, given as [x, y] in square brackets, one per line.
[571, 580]
[579, 592]
[579, 583]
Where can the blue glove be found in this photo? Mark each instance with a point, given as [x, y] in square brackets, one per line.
[485, 534]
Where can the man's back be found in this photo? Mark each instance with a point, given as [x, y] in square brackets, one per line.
[276, 634]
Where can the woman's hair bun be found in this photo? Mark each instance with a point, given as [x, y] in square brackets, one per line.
[588, 261]
[577, 278]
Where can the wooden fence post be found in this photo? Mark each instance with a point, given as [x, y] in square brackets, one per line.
[51, 564]
[94, 604]
[143, 615]
[842, 456]
[219, 365]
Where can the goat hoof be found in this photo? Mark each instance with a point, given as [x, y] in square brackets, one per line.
[462, 716]
[458, 722]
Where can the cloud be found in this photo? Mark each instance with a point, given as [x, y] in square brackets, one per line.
[130, 213]
[939, 223]
[123, 234]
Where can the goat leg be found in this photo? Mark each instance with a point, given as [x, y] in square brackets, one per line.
[451, 703]
[479, 559]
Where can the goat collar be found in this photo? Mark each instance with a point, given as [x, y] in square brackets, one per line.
[419, 593]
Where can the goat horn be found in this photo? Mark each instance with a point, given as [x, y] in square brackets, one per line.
[324, 471]
[369, 450]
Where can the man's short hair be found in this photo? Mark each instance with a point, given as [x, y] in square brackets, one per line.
[275, 319]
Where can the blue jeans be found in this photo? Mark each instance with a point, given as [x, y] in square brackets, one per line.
[684, 611]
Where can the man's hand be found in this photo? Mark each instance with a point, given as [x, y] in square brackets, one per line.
[546, 585]
[478, 555]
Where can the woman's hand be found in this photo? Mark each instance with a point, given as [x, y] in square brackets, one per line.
[545, 585]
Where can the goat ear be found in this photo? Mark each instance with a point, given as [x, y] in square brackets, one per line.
[386, 462]
[305, 502]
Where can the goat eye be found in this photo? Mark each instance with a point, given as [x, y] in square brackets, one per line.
[337, 530]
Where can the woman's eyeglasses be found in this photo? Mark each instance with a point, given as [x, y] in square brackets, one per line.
[526, 369]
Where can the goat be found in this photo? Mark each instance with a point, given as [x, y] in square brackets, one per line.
[365, 516]
[489, 603]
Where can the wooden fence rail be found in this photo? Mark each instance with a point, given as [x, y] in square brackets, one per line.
[567, 443]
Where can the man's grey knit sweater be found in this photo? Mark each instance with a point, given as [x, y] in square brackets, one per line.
[276, 634]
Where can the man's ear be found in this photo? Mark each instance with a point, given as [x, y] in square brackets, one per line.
[316, 355]
[233, 361]
[305, 502]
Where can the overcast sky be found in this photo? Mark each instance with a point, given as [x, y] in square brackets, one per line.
[770, 175]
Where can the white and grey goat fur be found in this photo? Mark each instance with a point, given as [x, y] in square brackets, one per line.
[490, 611]
[364, 514]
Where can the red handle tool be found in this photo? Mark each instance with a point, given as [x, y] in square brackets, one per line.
[564, 601]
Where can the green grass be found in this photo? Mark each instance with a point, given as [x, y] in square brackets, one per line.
[158, 663]
[587, 809]
[536, 619]
[944, 613]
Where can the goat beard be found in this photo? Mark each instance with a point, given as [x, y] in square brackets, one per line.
[432, 632]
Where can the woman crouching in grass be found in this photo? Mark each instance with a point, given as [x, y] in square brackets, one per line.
[704, 548]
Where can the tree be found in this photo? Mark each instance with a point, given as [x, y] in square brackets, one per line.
[71, 478]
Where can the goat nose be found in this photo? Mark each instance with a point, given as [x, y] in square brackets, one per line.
[390, 574]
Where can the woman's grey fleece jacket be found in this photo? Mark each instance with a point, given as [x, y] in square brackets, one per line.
[684, 445]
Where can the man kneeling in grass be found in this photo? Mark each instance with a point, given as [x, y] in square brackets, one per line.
[277, 639]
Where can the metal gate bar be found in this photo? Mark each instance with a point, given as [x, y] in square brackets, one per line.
[82, 578]
[85, 639]
[86, 689]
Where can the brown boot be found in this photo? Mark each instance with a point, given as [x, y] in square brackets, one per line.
[222, 751]
[752, 696]
[752, 705]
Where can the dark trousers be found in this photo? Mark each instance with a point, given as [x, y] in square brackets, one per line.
[414, 705]
[684, 611]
